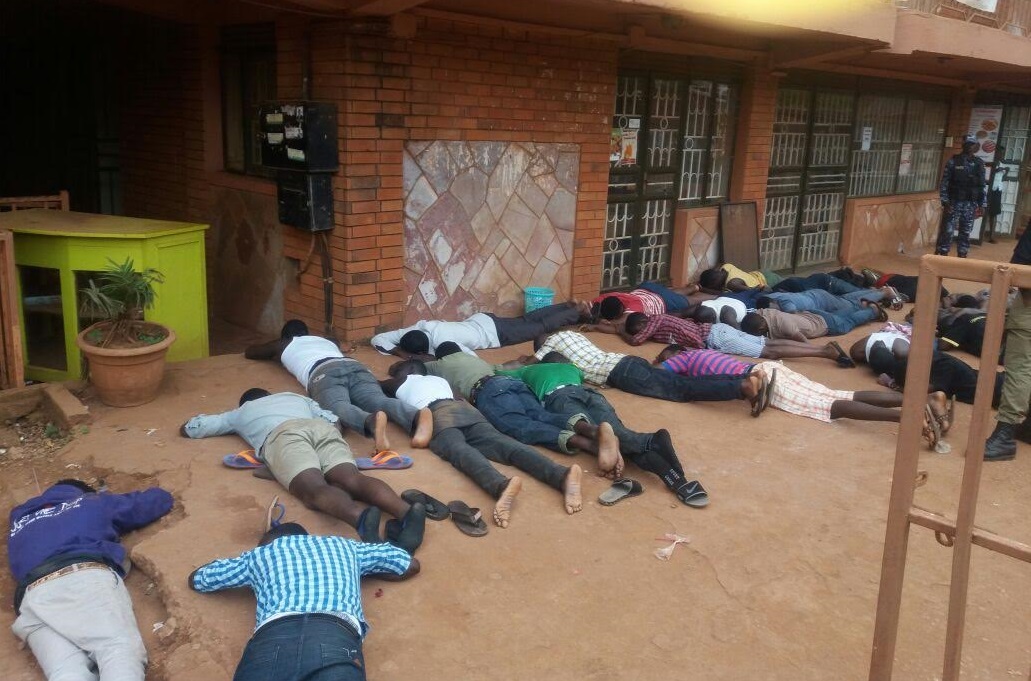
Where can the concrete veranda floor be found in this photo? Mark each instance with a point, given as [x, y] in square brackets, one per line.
[779, 580]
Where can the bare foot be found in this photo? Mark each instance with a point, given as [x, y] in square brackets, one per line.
[379, 432]
[571, 488]
[939, 404]
[423, 429]
[503, 508]
[610, 462]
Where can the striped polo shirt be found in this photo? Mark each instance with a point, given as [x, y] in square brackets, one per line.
[706, 363]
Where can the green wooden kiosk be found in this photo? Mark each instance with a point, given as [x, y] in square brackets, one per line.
[56, 252]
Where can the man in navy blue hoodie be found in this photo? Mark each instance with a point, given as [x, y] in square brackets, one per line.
[73, 609]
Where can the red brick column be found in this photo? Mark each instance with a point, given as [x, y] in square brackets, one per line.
[754, 137]
[451, 81]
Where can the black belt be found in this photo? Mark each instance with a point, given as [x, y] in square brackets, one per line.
[322, 361]
[477, 386]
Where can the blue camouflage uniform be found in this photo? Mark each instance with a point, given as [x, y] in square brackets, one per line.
[963, 190]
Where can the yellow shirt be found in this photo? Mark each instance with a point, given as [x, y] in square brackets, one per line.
[752, 279]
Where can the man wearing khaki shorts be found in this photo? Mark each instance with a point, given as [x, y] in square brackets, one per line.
[302, 446]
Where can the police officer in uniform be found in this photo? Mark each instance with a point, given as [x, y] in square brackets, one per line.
[963, 198]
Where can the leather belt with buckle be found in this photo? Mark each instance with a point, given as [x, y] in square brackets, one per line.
[67, 570]
[477, 386]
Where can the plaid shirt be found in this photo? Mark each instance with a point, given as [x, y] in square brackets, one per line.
[588, 357]
[669, 329]
[305, 574]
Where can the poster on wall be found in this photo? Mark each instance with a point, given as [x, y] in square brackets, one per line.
[623, 146]
[866, 139]
[983, 5]
[906, 160]
[984, 126]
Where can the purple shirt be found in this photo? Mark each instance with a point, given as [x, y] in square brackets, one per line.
[706, 363]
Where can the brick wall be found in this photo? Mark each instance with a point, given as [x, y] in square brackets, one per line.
[755, 135]
[452, 80]
[161, 122]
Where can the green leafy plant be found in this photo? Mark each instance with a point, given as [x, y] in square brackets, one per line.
[120, 299]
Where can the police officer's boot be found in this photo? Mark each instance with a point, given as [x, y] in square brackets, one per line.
[1000, 445]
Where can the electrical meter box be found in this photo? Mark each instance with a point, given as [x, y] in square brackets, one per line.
[299, 136]
[306, 201]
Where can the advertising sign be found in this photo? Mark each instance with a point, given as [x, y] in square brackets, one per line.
[983, 5]
[906, 160]
[984, 126]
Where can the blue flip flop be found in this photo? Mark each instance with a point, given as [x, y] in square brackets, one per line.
[244, 459]
[385, 460]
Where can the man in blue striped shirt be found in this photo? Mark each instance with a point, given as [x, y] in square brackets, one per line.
[309, 619]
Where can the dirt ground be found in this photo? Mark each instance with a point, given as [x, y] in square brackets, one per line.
[779, 580]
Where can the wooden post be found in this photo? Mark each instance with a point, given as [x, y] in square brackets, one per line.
[972, 473]
[901, 512]
[907, 457]
[12, 373]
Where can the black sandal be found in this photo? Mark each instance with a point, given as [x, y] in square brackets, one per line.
[843, 360]
[468, 520]
[435, 510]
[691, 493]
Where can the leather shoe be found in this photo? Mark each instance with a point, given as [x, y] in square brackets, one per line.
[1000, 445]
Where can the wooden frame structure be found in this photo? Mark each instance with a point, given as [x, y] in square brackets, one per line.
[58, 201]
[961, 533]
[12, 363]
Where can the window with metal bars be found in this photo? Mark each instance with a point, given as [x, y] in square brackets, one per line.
[672, 142]
[708, 142]
[897, 145]
[248, 66]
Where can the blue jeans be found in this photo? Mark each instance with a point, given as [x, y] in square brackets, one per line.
[635, 375]
[819, 280]
[310, 647]
[839, 323]
[578, 398]
[674, 301]
[512, 408]
[818, 300]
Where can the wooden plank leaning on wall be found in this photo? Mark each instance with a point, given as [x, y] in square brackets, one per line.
[12, 370]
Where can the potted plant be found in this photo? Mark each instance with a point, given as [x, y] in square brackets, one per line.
[125, 353]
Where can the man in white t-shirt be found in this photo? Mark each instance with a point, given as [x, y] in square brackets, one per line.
[463, 437]
[343, 385]
[481, 331]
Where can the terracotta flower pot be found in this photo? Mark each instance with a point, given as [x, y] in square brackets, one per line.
[125, 377]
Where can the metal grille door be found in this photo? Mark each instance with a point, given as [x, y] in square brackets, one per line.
[1016, 122]
[643, 181]
[805, 189]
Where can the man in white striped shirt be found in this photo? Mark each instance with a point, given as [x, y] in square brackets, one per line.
[309, 619]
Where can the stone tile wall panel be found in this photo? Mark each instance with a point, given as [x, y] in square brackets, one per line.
[484, 221]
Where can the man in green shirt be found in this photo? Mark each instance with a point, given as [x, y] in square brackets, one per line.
[558, 384]
[510, 407]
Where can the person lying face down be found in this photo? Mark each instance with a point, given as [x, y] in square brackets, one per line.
[467, 440]
[664, 328]
[479, 331]
[65, 553]
[510, 407]
[302, 446]
[796, 394]
[650, 298]
[558, 383]
[308, 591]
[341, 384]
